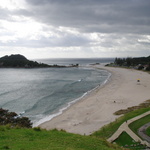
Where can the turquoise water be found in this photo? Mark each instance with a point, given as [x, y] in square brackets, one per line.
[41, 94]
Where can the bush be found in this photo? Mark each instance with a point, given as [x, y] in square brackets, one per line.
[37, 129]
[13, 119]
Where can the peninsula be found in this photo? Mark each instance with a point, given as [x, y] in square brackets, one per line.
[20, 61]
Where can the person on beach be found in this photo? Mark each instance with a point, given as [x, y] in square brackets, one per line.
[138, 81]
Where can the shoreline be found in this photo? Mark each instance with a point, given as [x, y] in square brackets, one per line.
[69, 104]
[96, 109]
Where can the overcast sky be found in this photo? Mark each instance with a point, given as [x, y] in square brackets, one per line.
[75, 28]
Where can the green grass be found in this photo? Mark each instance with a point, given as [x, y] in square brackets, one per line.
[111, 128]
[148, 131]
[139, 123]
[38, 139]
[126, 141]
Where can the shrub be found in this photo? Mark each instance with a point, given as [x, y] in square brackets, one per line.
[37, 129]
[13, 119]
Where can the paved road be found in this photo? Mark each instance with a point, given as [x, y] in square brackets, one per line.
[142, 132]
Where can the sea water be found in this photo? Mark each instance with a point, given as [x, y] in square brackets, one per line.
[43, 93]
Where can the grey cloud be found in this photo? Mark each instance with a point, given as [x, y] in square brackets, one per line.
[62, 41]
[4, 14]
[22, 12]
[130, 16]
[123, 22]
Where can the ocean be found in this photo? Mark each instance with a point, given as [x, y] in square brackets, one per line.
[44, 93]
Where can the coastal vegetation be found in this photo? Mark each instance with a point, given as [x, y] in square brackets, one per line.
[129, 109]
[14, 120]
[140, 63]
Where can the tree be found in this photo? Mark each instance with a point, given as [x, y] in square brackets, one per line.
[13, 119]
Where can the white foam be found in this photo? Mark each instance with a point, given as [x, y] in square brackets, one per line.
[50, 117]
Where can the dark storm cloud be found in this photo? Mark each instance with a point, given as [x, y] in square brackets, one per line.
[105, 16]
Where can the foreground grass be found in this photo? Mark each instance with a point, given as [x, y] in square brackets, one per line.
[111, 128]
[37, 139]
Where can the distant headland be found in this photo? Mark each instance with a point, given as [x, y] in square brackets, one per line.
[20, 61]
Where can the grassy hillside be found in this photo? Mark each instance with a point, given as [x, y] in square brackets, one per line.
[108, 130]
[37, 139]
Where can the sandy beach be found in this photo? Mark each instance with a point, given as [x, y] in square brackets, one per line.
[96, 109]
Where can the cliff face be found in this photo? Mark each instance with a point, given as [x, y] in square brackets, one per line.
[19, 61]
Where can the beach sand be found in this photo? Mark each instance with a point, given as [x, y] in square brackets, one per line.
[96, 109]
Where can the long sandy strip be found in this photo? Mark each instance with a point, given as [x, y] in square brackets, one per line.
[97, 108]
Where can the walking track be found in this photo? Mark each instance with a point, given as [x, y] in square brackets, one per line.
[124, 127]
[142, 133]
